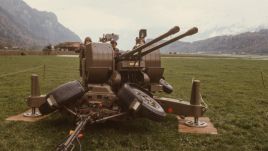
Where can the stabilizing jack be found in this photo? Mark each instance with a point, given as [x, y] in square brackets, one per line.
[196, 99]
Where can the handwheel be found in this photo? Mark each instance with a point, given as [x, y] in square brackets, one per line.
[148, 106]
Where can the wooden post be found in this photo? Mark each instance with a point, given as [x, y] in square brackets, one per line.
[44, 72]
[262, 79]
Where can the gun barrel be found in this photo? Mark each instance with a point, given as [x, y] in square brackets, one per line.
[172, 31]
[190, 32]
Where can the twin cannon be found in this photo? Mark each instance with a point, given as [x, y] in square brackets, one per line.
[122, 85]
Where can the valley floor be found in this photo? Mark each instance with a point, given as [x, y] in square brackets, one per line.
[233, 88]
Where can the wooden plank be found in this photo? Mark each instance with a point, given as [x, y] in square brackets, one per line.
[210, 129]
[20, 117]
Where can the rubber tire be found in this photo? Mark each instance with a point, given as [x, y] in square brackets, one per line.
[46, 108]
[127, 94]
[166, 86]
[69, 92]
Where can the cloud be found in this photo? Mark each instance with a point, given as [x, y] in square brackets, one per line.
[95, 17]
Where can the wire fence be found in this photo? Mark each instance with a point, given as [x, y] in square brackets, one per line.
[25, 70]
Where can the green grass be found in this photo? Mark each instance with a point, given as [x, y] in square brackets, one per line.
[238, 106]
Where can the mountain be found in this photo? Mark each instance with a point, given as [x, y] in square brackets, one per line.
[245, 43]
[23, 26]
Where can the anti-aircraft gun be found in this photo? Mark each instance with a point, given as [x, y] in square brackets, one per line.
[139, 68]
[114, 86]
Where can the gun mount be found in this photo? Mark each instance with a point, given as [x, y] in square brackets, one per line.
[122, 85]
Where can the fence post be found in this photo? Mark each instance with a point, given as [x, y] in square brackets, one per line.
[44, 71]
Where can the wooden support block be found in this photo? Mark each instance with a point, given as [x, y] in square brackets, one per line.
[210, 129]
[20, 117]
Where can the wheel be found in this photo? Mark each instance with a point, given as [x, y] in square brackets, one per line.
[67, 93]
[46, 108]
[148, 106]
[166, 86]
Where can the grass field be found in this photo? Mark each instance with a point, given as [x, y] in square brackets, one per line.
[233, 89]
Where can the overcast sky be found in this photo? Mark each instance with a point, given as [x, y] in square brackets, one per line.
[212, 17]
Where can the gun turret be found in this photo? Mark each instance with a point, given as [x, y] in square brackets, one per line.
[141, 66]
